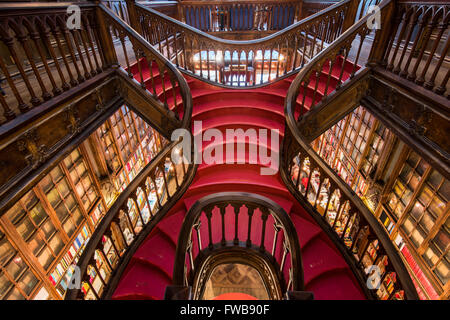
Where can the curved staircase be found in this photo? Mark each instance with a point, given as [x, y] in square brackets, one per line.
[326, 273]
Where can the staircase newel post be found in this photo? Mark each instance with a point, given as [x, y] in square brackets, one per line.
[350, 15]
[105, 39]
[132, 16]
[381, 39]
[180, 15]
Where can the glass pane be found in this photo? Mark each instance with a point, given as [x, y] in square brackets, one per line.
[46, 183]
[442, 240]
[444, 190]
[45, 258]
[421, 167]
[36, 243]
[63, 188]
[434, 179]
[53, 197]
[15, 213]
[56, 173]
[61, 212]
[48, 228]
[431, 256]
[406, 197]
[417, 210]
[414, 182]
[25, 228]
[417, 237]
[426, 195]
[69, 227]
[77, 216]
[427, 222]
[406, 173]
[6, 250]
[442, 271]
[38, 214]
[408, 226]
[30, 199]
[437, 206]
[5, 285]
[413, 159]
[56, 244]
[15, 295]
[15, 267]
[28, 282]
[70, 202]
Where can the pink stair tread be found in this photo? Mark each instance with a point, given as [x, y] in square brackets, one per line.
[143, 280]
[159, 251]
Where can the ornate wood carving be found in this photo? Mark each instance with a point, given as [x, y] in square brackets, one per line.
[415, 116]
[35, 153]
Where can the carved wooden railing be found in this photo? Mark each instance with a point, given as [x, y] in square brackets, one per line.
[146, 65]
[42, 58]
[228, 224]
[417, 48]
[324, 75]
[214, 16]
[119, 7]
[359, 236]
[126, 224]
[241, 63]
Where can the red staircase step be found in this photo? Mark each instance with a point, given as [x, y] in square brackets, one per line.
[159, 251]
[306, 230]
[171, 225]
[318, 258]
[143, 280]
[336, 285]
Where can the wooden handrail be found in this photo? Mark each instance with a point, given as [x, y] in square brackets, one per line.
[242, 63]
[328, 198]
[284, 243]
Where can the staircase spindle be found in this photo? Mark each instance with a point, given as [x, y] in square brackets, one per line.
[250, 212]
[236, 208]
[208, 214]
[264, 216]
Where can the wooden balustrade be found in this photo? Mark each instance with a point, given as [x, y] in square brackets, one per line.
[214, 16]
[330, 200]
[147, 66]
[135, 212]
[42, 57]
[245, 227]
[337, 64]
[242, 63]
[418, 45]
[352, 224]
[119, 7]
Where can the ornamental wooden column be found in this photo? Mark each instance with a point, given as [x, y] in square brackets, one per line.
[132, 16]
[350, 15]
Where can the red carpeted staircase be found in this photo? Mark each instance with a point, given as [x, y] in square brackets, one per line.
[150, 270]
